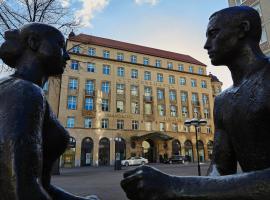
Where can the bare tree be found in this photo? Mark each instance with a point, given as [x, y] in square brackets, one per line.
[15, 13]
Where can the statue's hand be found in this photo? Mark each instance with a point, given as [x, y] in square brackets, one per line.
[147, 183]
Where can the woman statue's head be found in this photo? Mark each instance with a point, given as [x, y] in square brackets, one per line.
[37, 43]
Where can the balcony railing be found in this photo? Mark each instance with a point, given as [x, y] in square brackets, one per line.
[148, 98]
[90, 93]
[89, 113]
[195, 103]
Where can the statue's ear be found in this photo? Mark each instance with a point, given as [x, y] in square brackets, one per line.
[33, 42]
[244, 28]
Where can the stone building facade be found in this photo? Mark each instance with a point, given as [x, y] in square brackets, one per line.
[121, 99]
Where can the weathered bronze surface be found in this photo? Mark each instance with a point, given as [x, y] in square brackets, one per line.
[31, 137]
[242, 114]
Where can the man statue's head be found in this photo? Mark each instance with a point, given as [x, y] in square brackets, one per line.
[229, 31]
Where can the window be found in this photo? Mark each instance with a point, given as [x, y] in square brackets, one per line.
[160, 94]
[76, 49]
[184, 96]
[148, 109]
[91, 51]
[134, 73]
[161, 126]
[172, 95]
[104, 123]
[208, 129]
[264, 36]
[205, 99]
[170, 65]
[190, 69]
[174, 127]
[159, 77]
[89, 87]
[195, 99]
[161, 110]
[196, 112]
[203, 84]
[135, 125]
[70, 122]
[73, 84]
[146, 61]
[158, 63]
[201, 70]
[120, 56]
[135, 108]
[120, 88]
[182, 81]
[184, 111]
[89, 103]
[121, 71]
[198, 129]
[147, 92]
[147, 76]
[46, 86]
[105, 105]
[148, 126]
[193, 83]
[119, 106]
[180, 67]
[106, 69]
[133, 59]
[173, 111]
[74, 65]
[206, 113]
[134, 90]
[72, 102]
[171, 79]
[120, 124]
[87, 122]
[239, 2]
[91, 67]
[105, 87]
[106, 54]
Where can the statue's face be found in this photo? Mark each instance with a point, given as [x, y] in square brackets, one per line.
[53, 53]
[222, 41]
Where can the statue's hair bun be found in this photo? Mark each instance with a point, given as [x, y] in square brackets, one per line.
[11, 49]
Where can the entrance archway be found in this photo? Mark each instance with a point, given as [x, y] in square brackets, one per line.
[149, 150]
[68, 158]
[104, 152]
[201, 150]
[120, 147]
[210, 146]
[189, 150]
[176, 147]
[87, 152]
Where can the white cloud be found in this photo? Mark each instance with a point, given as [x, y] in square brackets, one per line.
[89, 7]
[152, 2]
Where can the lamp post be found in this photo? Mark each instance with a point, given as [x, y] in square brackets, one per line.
[117, 162]
[196, 123]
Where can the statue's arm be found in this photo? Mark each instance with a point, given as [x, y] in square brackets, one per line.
[24, 113]
[224, 161]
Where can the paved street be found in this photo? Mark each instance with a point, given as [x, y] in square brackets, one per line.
[105, 182]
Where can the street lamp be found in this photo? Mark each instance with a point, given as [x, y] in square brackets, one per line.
[117, 162]
[196, 123]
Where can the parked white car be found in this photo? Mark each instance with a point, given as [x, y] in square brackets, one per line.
[134, 161]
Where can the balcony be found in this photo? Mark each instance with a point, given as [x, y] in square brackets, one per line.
[149, 117]
[89, 113]
[90, 93]
[195, 103]
[148, 99]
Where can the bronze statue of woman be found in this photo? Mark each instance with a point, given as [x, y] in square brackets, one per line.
[31, 137]
[242, 114]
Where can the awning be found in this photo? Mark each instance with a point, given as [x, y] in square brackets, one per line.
[153, 135]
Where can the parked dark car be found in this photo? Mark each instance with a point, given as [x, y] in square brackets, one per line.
[175, 159]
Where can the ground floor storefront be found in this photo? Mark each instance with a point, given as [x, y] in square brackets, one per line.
[101, 148]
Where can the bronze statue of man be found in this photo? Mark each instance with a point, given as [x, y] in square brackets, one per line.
[242, 114]
[31, 137]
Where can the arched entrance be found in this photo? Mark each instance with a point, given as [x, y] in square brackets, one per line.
[189, 150]
[149, 150]
[104, 152]
[87, 152]
[120, 147]
[210, 146]
[68, 158]
[201, 150]
[176, 147]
